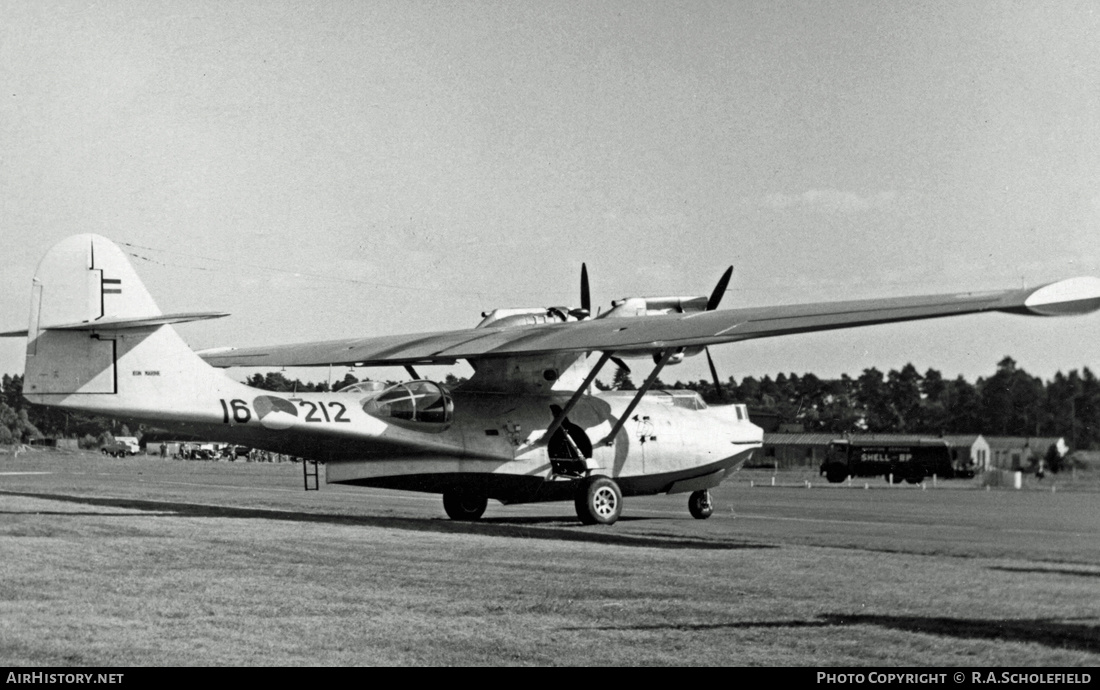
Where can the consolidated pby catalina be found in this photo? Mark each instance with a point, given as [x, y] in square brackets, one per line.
[526, 427]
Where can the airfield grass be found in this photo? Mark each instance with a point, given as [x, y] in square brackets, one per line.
[93, 582]
[93, 585]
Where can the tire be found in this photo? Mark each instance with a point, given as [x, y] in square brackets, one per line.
[464, 507]
[104, 451]
[598, 501]
[836, 473]
[700, 506]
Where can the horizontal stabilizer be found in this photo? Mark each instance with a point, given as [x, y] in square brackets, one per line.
[109, 323]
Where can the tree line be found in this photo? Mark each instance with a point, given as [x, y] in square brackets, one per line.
[1011, 402]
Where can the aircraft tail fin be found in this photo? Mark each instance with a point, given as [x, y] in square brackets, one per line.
[97, 340]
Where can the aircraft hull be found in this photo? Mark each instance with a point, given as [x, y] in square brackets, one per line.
[515, 488]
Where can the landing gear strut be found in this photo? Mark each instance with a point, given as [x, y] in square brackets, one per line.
[463, 506]
[598, 501]
[700, 505]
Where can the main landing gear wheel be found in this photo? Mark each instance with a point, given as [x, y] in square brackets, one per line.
[599, 501]
[464, 507]
[700, 506]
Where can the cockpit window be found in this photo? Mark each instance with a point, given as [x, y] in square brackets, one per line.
[422, 402]
[362, 387]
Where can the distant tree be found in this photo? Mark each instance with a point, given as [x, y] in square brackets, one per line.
[12, 391]
[904, 399]
[451, 381]
[348, 380]
[275, 381]
[935, 392]
[1060, 406]
[19, 427]
[621, 381]
[838, 411]
[964, 408]
[1087, 410]
[1011, 401]
[873, 398]
[748, 391]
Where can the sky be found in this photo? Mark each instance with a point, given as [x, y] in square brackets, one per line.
[335, 169]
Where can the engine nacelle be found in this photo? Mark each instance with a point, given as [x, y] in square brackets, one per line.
[529, 316]
[679, 355]
[676, 357]
[652, 306]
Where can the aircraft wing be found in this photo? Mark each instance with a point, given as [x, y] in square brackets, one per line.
[659, 332]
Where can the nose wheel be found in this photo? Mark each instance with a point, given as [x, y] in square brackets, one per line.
[700, 506]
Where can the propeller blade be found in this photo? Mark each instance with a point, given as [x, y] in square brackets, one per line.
[718, 390]
[586, 300]
[621, 364]
[719, 290]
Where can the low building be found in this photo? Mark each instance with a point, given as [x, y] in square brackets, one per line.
[1023, 452]
[784, 451]
[972, 446]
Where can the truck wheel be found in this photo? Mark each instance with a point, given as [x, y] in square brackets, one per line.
[836, 473]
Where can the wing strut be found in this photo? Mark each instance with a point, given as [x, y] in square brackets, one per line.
[576, 397]
[609, 440]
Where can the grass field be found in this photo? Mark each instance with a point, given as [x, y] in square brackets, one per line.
[147, 562]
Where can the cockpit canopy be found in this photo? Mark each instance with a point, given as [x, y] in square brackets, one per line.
[363, 387]
[423, 405]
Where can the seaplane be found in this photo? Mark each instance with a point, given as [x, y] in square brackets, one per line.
[527, 426]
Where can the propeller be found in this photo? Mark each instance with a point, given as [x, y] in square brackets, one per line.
[712, 304]
[585, 309]
[719, 290]
[586, 298]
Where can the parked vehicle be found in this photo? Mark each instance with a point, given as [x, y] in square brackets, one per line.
[122, 446]
[911, 461]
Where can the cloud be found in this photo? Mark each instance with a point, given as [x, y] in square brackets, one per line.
[831, 201]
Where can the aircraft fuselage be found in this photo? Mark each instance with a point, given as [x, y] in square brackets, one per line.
[493, 442]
